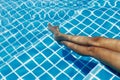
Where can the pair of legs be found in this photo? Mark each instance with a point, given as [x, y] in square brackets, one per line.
[104, 49]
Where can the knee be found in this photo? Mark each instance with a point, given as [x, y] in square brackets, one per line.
[95, 41]
[92, 50]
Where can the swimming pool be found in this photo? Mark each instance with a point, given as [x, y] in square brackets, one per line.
[28, 50]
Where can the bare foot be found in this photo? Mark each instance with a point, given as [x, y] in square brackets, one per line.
[55, 31]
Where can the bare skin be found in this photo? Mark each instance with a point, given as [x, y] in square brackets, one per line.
[104, 49]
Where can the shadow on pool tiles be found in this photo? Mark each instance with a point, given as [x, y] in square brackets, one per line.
[79, 63]
[116, 78]
[113, 71]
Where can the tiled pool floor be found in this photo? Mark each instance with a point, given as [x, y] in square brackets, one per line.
[28, 50]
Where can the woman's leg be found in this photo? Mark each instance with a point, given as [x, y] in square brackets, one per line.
[103, 49]
[89, 41]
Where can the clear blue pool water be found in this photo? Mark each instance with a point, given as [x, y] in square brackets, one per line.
[28, 50]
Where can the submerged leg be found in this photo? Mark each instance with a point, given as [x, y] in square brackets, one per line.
[89, 41]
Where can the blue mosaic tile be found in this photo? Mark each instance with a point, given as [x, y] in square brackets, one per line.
[40, 46]
[113, 20]
[6, 58]
[75, 30]
[46, 65]
[54, 71]
[47, 52]
[14, 64]
[104, 16]
[93, 17]
[27, 44]
[118, 23]
[5, 70]
[32, 52]
[71, 72]
[61, 76]
[107, 25]
[85, 70]
[110, 35]
[4, 22]
[29, 76]
[9, 49]
[86, 12]
[87, 21]
[80, 17]
[48, 41]
[92, 64]
[0, 48]
[89, 31]
[11, 40]
[99, 21]
[110, 12]
[78, 77]
[94, 26]
[39, 58]
[62, 65]
[20, 49]
[2, 38]
[117, 16]
[115, 78]
[5, 44]
[102, 75]
[30, 65]
[45, 76]
[38, 71]
[54, 59]
[24, 57]
[55, 47]
[12, 76]
[21, 71]
[68, 25]
[98, 13]
[16, 44]
[15, 23]
[101, 30]
[79, 64]
[74, 21]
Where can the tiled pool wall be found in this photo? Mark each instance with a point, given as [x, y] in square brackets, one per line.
[28, 50]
